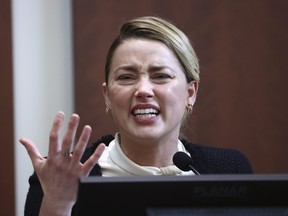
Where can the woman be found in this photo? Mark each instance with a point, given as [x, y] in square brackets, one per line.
[151, 83]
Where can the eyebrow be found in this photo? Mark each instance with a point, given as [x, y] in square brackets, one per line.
[133, 68]
[127, 67]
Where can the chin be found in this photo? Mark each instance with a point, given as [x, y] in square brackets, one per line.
[147, 134]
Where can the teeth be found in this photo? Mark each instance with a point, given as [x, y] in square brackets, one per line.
[146, 116]
[145, 111]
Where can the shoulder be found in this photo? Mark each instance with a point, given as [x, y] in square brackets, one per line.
[106, 139]
[211, 159]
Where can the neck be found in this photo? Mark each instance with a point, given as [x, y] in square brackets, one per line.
[150, 152]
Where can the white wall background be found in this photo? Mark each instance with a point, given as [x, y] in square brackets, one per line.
[43, 77]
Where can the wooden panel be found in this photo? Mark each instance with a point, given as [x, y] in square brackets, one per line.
[243, 99]
[7, 196]
[242, 47]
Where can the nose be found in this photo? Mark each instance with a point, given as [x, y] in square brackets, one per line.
[144, 88]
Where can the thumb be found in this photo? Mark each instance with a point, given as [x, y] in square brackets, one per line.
[31, 149]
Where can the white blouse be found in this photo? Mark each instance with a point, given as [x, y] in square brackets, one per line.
[115, 163]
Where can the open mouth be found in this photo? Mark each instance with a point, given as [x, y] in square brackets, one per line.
[145, 113]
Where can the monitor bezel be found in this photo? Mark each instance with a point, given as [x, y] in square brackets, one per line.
[133, 195]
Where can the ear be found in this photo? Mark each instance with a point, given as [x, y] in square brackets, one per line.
[105, 93]
[192, 92]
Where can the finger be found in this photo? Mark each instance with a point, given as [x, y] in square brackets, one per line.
[31, 150]
[81, 145]
[54, 145]
[90, 163]
[69, 136]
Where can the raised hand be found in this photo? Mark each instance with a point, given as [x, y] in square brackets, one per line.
[60, 171]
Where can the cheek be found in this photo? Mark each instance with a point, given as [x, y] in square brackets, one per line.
[119, 98]
[176, 96]
[174, 104]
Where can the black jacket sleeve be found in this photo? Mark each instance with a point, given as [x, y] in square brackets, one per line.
[34, 197]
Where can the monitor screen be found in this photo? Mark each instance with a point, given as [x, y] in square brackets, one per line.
[245, 194]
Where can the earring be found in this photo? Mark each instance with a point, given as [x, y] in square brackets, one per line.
[107, 110]
[189, 108]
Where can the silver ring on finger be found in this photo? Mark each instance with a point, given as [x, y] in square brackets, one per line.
[66, 154]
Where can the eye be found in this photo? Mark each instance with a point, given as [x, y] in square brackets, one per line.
[161, 78]
[126, 79]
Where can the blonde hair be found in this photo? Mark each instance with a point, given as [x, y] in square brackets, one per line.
[155, 28]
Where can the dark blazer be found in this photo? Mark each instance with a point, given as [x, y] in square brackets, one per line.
[206, 159]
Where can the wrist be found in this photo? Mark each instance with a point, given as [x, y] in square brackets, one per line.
[52, 207]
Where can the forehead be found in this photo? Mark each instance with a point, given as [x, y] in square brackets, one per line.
[144, 51]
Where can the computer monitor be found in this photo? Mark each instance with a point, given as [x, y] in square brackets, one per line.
[237, 194]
